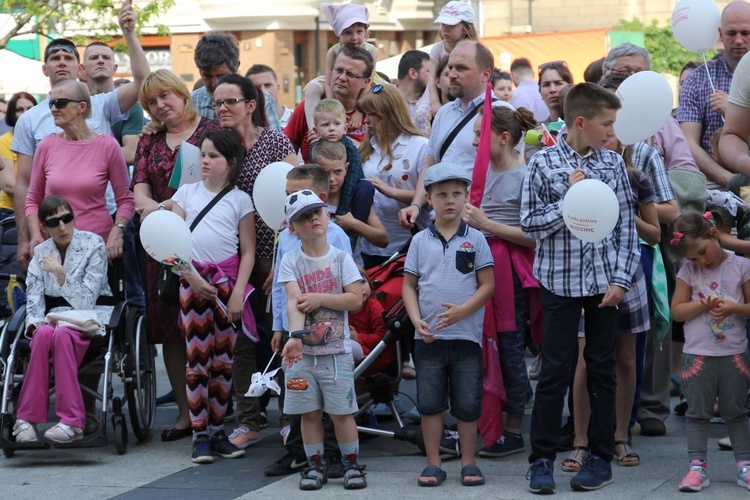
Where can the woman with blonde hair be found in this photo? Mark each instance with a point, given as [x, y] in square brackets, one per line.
[167, 100]
[392, 157]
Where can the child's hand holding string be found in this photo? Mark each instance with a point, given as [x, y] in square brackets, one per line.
[474, 216]
[576, 175]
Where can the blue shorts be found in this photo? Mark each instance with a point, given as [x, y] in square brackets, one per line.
[449, 367]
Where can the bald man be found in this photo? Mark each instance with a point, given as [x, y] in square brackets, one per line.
[702, 109]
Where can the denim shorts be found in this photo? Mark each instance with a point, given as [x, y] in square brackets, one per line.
[449, 367]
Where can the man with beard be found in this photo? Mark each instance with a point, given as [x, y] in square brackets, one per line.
[471, 65]
[413, 76]
[702, 108]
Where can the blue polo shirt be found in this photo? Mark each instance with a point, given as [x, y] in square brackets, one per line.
[447, 272]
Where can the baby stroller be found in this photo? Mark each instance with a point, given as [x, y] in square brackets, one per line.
[122, 351]
[387, 281]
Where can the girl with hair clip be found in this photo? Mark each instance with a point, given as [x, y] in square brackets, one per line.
[499, 220]
[711, 296]
[214, 289]
[349, 23]
[392, 157]
[456, 22]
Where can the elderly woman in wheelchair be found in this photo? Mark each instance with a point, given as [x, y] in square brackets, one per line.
[70, 267]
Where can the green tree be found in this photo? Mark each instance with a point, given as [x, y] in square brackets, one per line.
[47, 17]
[667, 55]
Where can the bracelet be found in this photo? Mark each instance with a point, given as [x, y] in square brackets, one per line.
[416, 205]
[161, 206]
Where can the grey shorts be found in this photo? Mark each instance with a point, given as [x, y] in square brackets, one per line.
[321, 383]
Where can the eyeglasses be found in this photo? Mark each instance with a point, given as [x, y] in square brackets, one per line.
[55, 221]
[54, 49]
[552, 65]
[351, 76]
[625, 71]
[62, 102]
[229, 103]
[376, 89]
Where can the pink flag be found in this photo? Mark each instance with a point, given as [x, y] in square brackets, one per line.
[482, 161]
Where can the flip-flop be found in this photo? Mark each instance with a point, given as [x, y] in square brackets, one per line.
[432, 471]
[471, 471]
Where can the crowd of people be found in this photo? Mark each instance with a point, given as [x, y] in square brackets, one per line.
[657, 306]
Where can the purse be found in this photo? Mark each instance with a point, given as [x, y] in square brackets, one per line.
[167, 282]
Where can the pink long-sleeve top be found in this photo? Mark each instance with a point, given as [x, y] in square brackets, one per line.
[79, 171]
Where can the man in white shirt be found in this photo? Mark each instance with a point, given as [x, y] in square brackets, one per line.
[264, 77]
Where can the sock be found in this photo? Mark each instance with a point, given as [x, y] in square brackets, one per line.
[196, 435]
[214, 429]
[314, 449]
[512, 432]
[741, 465]
[349, 452]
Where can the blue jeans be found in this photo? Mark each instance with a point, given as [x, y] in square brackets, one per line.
[453, 366]
[559, 346]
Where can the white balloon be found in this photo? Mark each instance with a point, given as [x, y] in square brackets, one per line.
[269, 193]
[695, 24]
[646, 106]
[164, 235]
[590, 210]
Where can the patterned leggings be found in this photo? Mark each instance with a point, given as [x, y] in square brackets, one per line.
[210, 339]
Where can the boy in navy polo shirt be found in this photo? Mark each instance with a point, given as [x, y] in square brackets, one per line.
[445, 297]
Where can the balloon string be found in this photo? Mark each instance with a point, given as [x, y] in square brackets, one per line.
[269, 363]
[273, 265]
[710, 82]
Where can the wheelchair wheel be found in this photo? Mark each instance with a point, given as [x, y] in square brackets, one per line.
[8, 436]
[140, 387]
[121, 430]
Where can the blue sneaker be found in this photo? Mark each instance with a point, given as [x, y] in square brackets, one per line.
[450, 445]
[595, 473]
[202, 450]
[540, 477]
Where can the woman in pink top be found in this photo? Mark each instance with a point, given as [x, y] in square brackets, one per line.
[77, 164]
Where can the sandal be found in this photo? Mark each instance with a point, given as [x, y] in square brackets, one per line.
[354, 477]
[627, 453]
[471, 471]
[574, 461]
[312, 478]
[432, 471]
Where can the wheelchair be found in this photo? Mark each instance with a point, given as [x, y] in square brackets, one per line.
[123, 351]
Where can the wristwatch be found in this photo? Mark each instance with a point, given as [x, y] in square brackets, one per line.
[120, 225]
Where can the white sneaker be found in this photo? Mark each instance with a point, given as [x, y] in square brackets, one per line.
[24, 431]
[63, 433]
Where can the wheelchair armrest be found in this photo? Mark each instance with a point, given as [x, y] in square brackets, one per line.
[18, 319]
[116, 316]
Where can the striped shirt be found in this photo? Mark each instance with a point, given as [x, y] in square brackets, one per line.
[564, 264]
[695, 96]
[648, 160]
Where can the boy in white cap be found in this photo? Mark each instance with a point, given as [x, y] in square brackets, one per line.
[349, 23]
[322, 284]
[448, 278]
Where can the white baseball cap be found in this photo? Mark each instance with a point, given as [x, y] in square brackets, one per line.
[301, 202]
[454, 12]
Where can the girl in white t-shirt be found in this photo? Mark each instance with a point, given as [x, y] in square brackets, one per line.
[712, 295]
[212, 308]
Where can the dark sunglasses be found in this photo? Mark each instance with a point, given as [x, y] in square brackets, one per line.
[54, 49]
[55, 221]
[62, 102]
[552, 65]
[229, 103]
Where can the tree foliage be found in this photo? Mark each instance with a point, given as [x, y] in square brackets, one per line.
[80, 17]
[667, 55]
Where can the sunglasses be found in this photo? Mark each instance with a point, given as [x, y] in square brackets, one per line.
[62, 102]
[54, 49]
[377, 89]
[229, 103]
[552, 65]
[55, 221]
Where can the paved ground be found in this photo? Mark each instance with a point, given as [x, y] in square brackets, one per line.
[163, 471]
